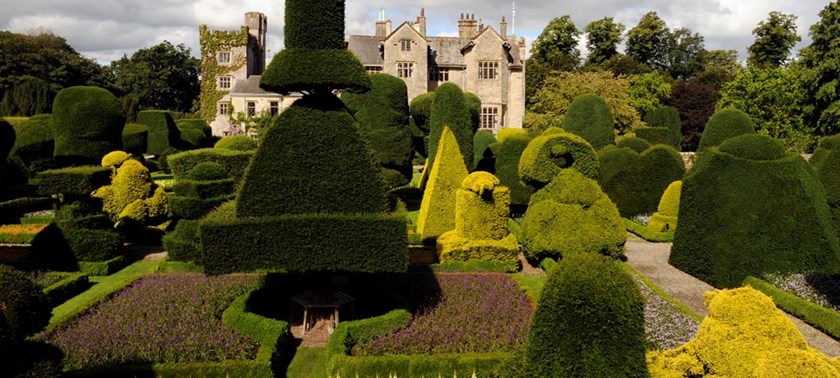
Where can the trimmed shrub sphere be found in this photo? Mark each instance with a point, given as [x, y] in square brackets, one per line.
[87, 123]
[590, 322]
[24, 309]
[206, 171]
[754, 147]
[779, 203]
[237, 143]
[554, 151]
[590, 117]
[725, 124]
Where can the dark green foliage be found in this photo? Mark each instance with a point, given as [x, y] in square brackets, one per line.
[163, 76]
[306, 242]
[292, 70]
[725, 124]
[481, 147]
[636, 144]
[93, 244]
[754, 147]
[203, 189]
[422, 365]
[826, 162]
[234, 162]
[295, 170]
[184, 244]
[131, 106]
[421, 110]
[554, 151]
[237, 143]
[12, 210]
[780, 204]
[162, 131]
[87, 123]
[68, 287]
[195, 132]
[34, 143]
[473, 103]
[590, 117]
[635, 182]
[655, 135]
[667, 117]
[696, 103]
[78, 181]
[194, 207]
[7, 139]
[507, 167]
[27, 97]
[315, 24]
[450, 109]
[208, 170]
[590, 322]
[135, 138]
[24, 309]
[353, 332]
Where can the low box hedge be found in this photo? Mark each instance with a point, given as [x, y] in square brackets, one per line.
[438, 365]
[19, 206]
[80, 181]
[643, 232]
[234, 162]
[203, 189]
[306, 242]
[822, 318]
[194, 208]
[104, 268]
[68, 287]
[183, 243]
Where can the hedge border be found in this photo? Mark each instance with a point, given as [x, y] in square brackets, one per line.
[68, 287]
[104, 268]
[643, 232]
[821, 318]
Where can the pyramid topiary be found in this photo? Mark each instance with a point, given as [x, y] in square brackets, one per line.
[87, 123]
[450, 110]
[590, 117]
[725, 124]
[590, 322]
[751, 186]
[437, 210]
[554, 151]
[665, 218]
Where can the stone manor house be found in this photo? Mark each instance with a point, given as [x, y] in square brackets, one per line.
[480, 60]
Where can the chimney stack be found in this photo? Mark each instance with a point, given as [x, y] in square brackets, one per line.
[467, 26]
[421, 22]
[383, 26]
[503, 28]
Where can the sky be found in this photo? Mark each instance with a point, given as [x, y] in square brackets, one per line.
[106, 30]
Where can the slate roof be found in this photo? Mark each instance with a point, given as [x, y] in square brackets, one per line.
[366, 48]
[249, 86]
[446, 51]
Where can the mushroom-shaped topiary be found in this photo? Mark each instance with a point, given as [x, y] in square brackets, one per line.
[208, 170]
[554, 151]
[590, 117]
[725, 124]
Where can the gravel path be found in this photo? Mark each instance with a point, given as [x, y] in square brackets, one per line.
[651, 259]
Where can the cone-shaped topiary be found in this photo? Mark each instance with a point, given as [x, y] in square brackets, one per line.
[590, 117]
[481, 233]
[590, 322]
[635, 182]
[636, 144]
[87, 123]
[511, 147]
[826, 162]
[665, 218]
[572, 215]
[316, 56]
[777, 201]
[237, 143]
[554, 151]
[725, 124]
[450, 110]
[745, 335]
[437, 210]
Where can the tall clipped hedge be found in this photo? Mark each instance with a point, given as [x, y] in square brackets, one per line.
[590, 322]
[135, 138]
[162, 131]
[34, 143]
[75, 181]
[635, 182]
[507, 164]
[775, 199]
[450, 110]
[235, 162]
[87, 123]
[195, 132]
[437, 209]
[826, 162]
[554, 151]
[663, 127]
[590, 117]
[725, 124]
[382, 115]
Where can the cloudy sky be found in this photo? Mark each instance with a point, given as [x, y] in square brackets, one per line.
[105, 30]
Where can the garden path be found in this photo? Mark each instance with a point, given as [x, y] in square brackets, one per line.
[651, 259]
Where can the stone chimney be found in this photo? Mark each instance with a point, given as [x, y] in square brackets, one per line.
[421, 22]
[467, 26]
[503, 28]
[383, 26]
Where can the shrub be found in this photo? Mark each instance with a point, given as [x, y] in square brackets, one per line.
[450, 110]
[437, 210]
[572, 215]
[826, 162]
[590, 117]
[208, 170]
[114, 159]
[135, 138]
[237, 143]
[665, 217]
[635, 182]
[590, 322]
[195, 132]
[235, 162]
[188, 207]
[664, 127]
[92, 244]
[553, 152]
[744, 335]
[87, 123]
[162, 131]
[482, 207]
[421, 110]
[636, 144]
[473, 103]
[76, 181]
[512, 144]
[203, 188]
[24, 309]
[725, 124]
[778, 203]
[823, 318]
[481, 148]
[34, 143]
[133, 196]
[184, 243]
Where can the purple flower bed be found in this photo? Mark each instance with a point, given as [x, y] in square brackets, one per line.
[475, 312]
[159, 318]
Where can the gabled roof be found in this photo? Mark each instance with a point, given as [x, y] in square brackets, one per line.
[250, 87]
[446, 51]
[404, 25]
[366, 48]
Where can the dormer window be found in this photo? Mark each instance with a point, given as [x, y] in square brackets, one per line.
[405, 45]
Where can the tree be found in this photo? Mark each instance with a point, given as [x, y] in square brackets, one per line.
[535, 75]
[682, 53]
[163, 76]
[645, 41]
[821, 59]
[556, 46]
[773, 40]
[719, 67]
[696, 103]
[648, 92]
[602, 39]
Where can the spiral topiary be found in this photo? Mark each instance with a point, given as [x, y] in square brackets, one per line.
[553, 152]
[725, 124]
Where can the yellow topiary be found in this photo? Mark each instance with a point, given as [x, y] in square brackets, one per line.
[133, 195]
[745, 335]
[665, 219]
[115, 158]
[437, 210]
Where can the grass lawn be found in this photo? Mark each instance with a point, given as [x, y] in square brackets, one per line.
[308, 363]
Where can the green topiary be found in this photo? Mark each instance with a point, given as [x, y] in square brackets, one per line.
[73, 181]
[635, 182]
[87, 123]
[481, 223]
[450, 110]
[24, 308]
[184, 243]
[513, 143]
[237, 143]
[779, 203]
[572, 215]
[7, 139]
[437, 210]
[754, 147]
[206, 171]
[114, 159]
[34, 144]
[133, 196]
[665, 218]
[162, 132]
[473, 103]
[590, 117]
[235, 162]
[481, 147]
[664, 127]
[826, 162]
[553, 152]
[421, 110]
[590, 322]
[636, 144]
[135, 138]
[195, 132]
[725, 124]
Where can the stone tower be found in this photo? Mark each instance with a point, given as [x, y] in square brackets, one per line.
[257, 24]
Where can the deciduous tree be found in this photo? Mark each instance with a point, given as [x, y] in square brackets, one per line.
[646, 40]
[822, 75]
[773, 40]
[163, 76]
[602, 39]
[556, 46]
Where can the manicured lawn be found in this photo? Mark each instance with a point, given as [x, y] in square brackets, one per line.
[308, 363]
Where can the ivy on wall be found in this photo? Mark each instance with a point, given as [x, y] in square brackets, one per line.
[213, 41]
